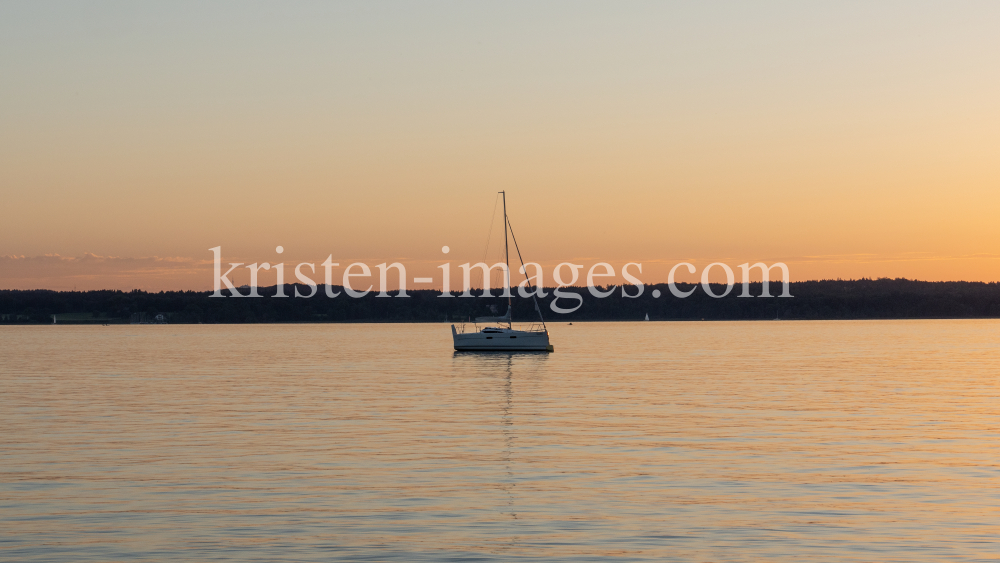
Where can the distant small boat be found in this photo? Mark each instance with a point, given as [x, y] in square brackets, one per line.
[499, 337]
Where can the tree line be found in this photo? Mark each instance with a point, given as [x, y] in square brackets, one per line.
[825, 299]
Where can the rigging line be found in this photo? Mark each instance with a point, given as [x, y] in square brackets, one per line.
[524, 270]
[497, 276]
[490, 234]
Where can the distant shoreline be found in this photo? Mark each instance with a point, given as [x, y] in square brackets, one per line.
[813, 300]
[558, 322]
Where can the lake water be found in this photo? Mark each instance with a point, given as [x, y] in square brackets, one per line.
[697, 441]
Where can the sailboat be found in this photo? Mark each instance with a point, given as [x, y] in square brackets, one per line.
[496, 336]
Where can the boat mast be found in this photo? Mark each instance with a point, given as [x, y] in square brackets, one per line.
[506, 257]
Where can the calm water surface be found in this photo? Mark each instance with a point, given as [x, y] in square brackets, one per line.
[777, 441]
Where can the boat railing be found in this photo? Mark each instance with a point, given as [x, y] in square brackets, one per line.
[462, 327]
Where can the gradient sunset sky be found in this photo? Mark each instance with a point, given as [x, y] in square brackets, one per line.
[847, 139]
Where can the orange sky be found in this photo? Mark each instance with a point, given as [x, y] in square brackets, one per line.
[847, 141]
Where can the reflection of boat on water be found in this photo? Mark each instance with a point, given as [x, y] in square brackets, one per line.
[507, 484]
[498, 378]
[498, 337]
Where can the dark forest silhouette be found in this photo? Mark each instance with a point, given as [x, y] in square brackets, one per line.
[827, 299]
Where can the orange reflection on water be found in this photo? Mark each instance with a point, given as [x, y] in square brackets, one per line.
[848, 441]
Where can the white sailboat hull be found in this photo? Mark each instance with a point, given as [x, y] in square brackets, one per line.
[507, 340]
